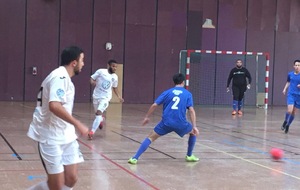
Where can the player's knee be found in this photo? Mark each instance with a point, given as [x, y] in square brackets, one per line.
[98, 112]
[71, 179]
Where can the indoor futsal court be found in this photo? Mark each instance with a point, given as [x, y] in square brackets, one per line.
[233, 151]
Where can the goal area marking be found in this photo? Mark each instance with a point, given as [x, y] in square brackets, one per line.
[265, 54]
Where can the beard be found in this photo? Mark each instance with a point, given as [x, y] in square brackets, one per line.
[110, 70]
[239, 66]
[76, 71]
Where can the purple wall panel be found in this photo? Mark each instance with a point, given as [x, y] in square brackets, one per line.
[231, 31]
[286, 46]
[286, 51]
[41, 43]
[12, 37]
[232, 25]
[108, 26]
[76, 29]
[139, 52]
[283, 15]
[210, 11]
[261, 34]
[171, 33]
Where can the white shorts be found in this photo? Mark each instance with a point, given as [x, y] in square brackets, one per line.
[55, 157]
[100, 104]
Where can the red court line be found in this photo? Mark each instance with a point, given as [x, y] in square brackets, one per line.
[118, 165]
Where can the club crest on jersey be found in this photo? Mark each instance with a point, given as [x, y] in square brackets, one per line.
[106, 85]
[177, 92]
[60, 92]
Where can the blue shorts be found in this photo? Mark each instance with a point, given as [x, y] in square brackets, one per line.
[162, 129]
[293, 99]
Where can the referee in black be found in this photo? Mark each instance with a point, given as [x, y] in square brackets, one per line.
[239, 85]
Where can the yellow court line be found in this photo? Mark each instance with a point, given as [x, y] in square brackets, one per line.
[238, 157]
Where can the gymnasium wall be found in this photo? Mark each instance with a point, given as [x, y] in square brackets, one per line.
[147, 36]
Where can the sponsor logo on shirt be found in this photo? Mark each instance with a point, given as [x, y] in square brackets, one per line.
[60, 92]
[177, 92]
[106, 85]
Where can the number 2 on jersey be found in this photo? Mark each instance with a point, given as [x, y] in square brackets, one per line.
[176, 101]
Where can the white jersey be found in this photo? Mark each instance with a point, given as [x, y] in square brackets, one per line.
[104, 83]
[45, 126]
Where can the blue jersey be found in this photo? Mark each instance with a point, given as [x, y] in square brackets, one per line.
[294, 80]
[175, 102]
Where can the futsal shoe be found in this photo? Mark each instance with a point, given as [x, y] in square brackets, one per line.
[102, 123]
[286, 130]
[233, 112]
[132, 161]
[191, 158]
[283, 125]
[90, 135]
[240, 112]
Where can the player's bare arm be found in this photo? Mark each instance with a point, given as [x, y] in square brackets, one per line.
[285, 88]
[93, 82]
[116, 91]
[193, 120]
[150, 111]
[60, 111]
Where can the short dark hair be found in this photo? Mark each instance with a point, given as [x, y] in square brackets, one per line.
[111, 61]
[297, 60]
[70, 54]
[178, 78]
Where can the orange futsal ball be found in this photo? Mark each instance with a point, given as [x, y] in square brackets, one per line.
[276, 153]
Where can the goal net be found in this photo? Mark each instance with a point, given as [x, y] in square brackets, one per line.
[207, 73]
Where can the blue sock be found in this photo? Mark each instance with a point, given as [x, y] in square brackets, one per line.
[240, 103]
[191, 144]
[291, 118]
[287, 115]
[145, 144]
[234, 104]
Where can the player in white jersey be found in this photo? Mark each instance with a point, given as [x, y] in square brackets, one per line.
[104, 81]
[53, 125]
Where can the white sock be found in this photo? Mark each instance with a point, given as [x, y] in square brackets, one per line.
[97, 122]
[40, 186]
[66, 188]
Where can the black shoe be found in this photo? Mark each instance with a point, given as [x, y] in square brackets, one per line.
[286, 129]
[283, 125]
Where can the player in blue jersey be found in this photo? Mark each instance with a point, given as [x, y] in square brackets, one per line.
[175, 102]
[239, 85]
[293, 95]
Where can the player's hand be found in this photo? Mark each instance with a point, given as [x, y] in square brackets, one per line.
[298, 85]
[227, 89]
[145, 121]
[195, 131]
[82, 129]
[121, 99]
[248, 86]
[283, 92]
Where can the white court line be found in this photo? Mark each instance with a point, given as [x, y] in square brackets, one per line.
[246, 160]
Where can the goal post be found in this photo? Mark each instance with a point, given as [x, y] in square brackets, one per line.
[207, 72]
